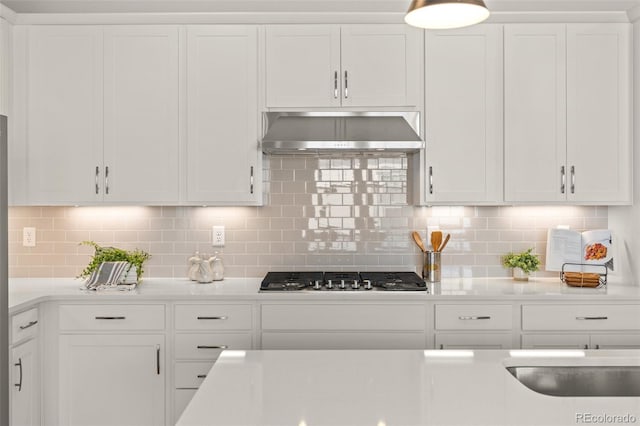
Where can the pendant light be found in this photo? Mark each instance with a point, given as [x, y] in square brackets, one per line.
[442, 14]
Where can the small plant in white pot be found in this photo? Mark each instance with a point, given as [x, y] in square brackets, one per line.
[522, 264]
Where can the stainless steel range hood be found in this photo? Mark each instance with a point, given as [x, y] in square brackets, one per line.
[312, 132]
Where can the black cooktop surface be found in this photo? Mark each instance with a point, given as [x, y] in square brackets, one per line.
[342, 281]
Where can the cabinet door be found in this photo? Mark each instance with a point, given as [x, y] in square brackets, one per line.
[555, 341]
[381, 65]
[25, 385]
[222, 123]
[5, 65]
[474, 341]
[615, 341]
[598, 105]
[112, 380]
[64, 114]
[463, 114]
[141, 148]
[534, 112]
[303, 66]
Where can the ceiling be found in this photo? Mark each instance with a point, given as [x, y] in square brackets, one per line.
[283, 6]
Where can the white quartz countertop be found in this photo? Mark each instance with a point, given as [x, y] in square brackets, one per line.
[392, 388]
[24, 291]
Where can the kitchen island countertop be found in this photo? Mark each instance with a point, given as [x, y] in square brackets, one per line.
[408, 388]
[27, 291]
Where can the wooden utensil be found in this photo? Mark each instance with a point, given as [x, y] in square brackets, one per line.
[436, 240]
[444, 244]
[418, 239]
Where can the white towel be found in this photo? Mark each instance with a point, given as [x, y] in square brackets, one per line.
[109, 275]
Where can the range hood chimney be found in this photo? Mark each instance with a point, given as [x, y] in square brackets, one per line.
[326, 132]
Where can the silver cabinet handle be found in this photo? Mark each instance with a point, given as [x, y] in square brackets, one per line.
[158, 359]
[97, 176]
[591, 318]
[335, 85]
[597, 346]
[212, 346]
[110, 318]
[430, 180]
[19, 384]
[222, 318]
[251, 180]
[562, 179]
[573, 179]
[201, 376]
[474, 318]
[441, 346]
[31, 324]
[586, 346]
[346, 85]
[106, 180]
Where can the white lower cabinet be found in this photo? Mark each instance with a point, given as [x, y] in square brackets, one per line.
[25, 372]
[581, 341]
[202, 332]
[473, 326]
[115, 379]
[474, 341]
[592, 326]
[25, 384]
[343, 326]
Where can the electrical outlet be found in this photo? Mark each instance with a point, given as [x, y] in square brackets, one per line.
[218, 236]
[29, 237]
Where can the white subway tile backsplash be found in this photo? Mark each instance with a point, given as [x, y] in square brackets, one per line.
[344, 213]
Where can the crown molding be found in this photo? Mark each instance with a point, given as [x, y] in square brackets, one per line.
[298, 18]
[634, 14]
[8, 14]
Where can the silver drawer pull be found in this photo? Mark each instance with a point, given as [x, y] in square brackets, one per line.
[111, 318]
[214, 318]
[201, 376]
[591, 318]
[31, 324]
[474, 318]
[212, 347]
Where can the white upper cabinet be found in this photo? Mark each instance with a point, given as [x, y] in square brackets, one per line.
[101, 114]
[348, 65]
[303, 66]
[141, 94]
[63, 109]
[222, 120]
[567, 106]
[534, 112]
[463, 115]
[598, 113]
[380, 65]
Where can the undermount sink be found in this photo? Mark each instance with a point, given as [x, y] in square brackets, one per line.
[580, 380]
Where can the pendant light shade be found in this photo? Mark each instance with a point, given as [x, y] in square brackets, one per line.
[442, 14]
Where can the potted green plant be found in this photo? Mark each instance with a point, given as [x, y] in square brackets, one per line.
[522, 264]
[112, 254]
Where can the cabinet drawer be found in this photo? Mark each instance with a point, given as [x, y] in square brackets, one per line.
[189, 375]
[182, 397]
[209, 345]
[474, 317]
[24, 325]
[213, 317]
[581, 317]
[112, 317]
[343, 317]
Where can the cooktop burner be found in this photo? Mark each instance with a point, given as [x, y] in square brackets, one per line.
[343, 281]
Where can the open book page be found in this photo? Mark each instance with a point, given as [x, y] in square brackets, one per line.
[589, 249]
[563, 245]
[596, 247]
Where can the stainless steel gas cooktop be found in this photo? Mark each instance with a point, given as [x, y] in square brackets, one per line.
[343, 281]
